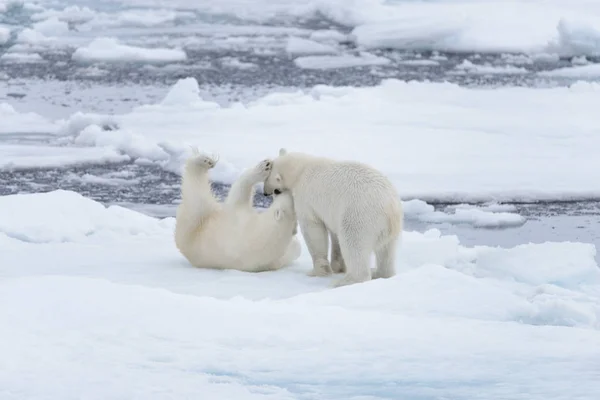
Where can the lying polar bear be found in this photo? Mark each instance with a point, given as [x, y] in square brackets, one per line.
[232, 234]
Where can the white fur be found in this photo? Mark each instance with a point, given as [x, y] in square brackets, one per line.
[351, 202]
[232, 234]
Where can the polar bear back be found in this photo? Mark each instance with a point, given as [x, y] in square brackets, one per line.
[344, 193]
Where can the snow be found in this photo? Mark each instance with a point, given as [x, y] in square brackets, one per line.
[300, 46]
[467, 26]
[456, 322]
[4, 35]
[434, 140]
[51, 27]
[110, 50]
[579, 72]
[580, 60]
[531, 27]
[21, 58]
[488, 217]
[18, 156]
[329, 36]
[90, 179]
[341, 61]
[468, 67]
[232, 62]
[420, 63]
[14, 122]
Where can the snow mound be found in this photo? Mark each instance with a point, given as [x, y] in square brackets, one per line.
[51, 27]
[436, 141]
[110, 50]
[300, 46]
[341, 61]
[542, 263]
[65, 216]
[578, 38]
[14, 122]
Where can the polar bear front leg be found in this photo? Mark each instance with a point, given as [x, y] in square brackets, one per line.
[317, 240]
[242, 190]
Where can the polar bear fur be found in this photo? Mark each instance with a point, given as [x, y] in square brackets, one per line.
[356, 205]
[232, 234]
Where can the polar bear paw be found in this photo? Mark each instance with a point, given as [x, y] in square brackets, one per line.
[349, 280]
[262, 170]
[204, 160]
[320, 269]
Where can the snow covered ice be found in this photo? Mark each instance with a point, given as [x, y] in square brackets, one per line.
[137, 320]
[463, 130]
[471, 108]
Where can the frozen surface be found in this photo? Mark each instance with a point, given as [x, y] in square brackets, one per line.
[4, 34]
[342, 61]
[484, 26]
[137, 320]
[110, 50]
[19, 156]
[435, 141]
[580, 71]
[492, 216]
[300, 46]
[21, 58]
[14, 122]
[468, 67]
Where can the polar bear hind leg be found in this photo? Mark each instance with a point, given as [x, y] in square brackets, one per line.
[385, 256]
[356, 248]
[242, 190]
[196, 192]
[317, 240]
[337, 261]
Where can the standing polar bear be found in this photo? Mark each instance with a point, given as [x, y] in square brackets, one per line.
[232, 234]
[355, 203]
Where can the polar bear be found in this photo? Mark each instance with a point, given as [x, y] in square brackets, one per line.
[357, 205]
[232, 234]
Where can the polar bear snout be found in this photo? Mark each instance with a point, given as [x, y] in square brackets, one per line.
[277, 191]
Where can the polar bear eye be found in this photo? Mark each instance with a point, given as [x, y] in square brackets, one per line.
[278, 179]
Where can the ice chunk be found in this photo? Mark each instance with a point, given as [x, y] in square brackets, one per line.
[110, 50]
[341, 61]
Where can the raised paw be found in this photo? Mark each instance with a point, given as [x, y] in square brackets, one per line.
[205, 161]
[263, 169]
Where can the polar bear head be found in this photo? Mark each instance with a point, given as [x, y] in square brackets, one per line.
[283, 206]
[274, 184]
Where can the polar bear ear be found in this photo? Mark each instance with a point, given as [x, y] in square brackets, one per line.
[282, 152]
